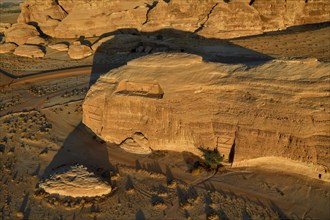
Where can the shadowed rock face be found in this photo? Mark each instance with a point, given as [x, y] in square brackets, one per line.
[276, 109]
[209, 18]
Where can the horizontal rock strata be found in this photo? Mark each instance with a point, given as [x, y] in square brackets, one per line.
[280, 108]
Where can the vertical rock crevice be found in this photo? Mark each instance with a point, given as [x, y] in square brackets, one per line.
[251, 2]
[206, 19]
[57, 2]
[150, 7]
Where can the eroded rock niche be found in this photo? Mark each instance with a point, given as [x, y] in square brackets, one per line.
[179, 102]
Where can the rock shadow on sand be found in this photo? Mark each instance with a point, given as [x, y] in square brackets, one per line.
[83, 148]
[115, 49]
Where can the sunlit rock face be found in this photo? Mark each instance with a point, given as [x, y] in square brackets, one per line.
[20, 33]
[31, 51]
[75, 181]
[179, 102]
[209, 18]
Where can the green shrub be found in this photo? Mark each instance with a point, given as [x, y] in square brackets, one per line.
[211, 158]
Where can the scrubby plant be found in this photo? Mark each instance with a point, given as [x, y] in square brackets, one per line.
[211, 158]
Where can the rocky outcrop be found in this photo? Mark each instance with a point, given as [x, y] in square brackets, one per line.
[79, 51]
[36, 40]
[209, 18]
[75, 181]
[46, 13]
[178, 102]
[7, 47]
[20, 33]
[31, 51]
[4, 27]
[60, 47]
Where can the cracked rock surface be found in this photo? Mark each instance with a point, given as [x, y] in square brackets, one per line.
[208, 18]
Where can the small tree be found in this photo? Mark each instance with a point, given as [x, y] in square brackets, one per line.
[212, 158]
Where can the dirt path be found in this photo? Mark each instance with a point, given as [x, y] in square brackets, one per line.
[52, 75]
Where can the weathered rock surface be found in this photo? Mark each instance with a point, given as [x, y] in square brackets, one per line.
[47, 13]
[31, 51]
[60, 47]
[36, 40]
[79, 51]
[4, 27]
[7, 47]
[178, 102]
[75, 181]
[137, 144]
[209, 18]
[20, 33]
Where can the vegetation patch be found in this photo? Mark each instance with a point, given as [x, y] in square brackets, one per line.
[211, 159]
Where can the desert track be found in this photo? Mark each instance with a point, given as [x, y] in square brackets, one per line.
[46, 75]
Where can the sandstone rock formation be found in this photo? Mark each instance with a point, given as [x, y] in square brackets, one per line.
[60, 47]
[4, 27]
[77, 51]
[36, 40]
[7, 47]
[47, 13]
[20, 33]
[178, 102]
[137, 144]
[31, 51]
[209, 18]
[75, 181]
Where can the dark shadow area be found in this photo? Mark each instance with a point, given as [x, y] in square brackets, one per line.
[276, 209]
[36, 25]
[27, 213]
[208, 186]
[119, 47]
[190, 160]
[232, 153]
[36, 171]
[245, 215]
[156, 200]
[84, 41]
[82, 148]
[153, 167]
[182, 196]
[24, 202]
[140, 215]
[169, 175]
[129, 183]
[210, 212]
[290, 30]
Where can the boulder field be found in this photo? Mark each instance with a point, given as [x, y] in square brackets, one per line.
[208, 18]
[179, 102]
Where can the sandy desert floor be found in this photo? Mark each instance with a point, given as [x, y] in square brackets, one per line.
[41, 129]
[36, 119]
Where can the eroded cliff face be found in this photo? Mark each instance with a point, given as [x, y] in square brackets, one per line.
[208, 18]
[178, 102]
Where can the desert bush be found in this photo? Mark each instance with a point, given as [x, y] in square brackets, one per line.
[211, 158]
